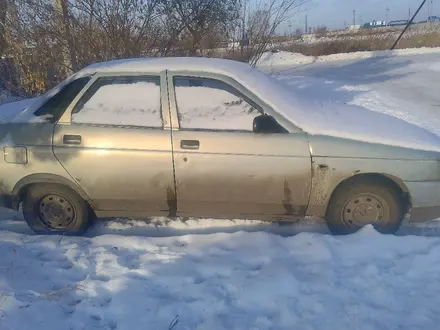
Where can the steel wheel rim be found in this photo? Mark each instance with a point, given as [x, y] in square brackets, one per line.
[56, 212]
[365, 209]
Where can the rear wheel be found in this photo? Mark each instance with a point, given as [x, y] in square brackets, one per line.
[365, 201]
[55, 209]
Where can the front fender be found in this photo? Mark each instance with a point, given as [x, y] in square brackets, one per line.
[328, 173]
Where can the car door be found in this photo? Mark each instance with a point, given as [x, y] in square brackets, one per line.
[223, 168]
[115, 143]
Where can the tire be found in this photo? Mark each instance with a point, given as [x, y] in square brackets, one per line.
[364, 201]
[55, 209]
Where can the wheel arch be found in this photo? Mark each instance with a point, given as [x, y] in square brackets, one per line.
[23, 184]
[383, 177]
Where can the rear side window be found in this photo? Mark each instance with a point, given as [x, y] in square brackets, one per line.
[54, 108]
[121, 101]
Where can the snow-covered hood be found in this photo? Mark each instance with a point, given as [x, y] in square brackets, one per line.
[10, 112]
[23, 111]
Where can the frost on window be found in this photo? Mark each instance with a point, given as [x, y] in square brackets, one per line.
[121, 101]
[212, 104]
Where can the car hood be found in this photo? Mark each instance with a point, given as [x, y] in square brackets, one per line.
[327, 146]
[357, 123]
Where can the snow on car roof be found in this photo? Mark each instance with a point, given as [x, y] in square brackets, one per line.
[168, 63]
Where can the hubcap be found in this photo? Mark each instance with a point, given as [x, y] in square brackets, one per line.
[56, 212]
[364, 209]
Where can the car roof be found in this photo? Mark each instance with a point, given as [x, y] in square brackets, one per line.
[214, 65]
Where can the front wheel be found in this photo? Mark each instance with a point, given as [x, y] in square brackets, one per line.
[55, 209]
[358, 203]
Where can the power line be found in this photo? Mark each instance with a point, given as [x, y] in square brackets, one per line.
[409, 23]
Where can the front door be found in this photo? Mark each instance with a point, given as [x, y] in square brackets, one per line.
[114, 145]
[223, 168]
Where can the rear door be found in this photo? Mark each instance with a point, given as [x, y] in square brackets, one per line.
[223, 168]
[115, 142]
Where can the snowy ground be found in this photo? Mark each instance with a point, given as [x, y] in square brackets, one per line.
[218, 275]
[206, 274]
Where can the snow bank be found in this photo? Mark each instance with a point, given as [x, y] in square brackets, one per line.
[283, 58]
[363, 55]
[219, 281]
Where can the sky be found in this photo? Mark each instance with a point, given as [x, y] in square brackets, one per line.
[333, 13]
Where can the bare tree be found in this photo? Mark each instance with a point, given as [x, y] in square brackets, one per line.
[48, 39]
[3, 9]
[200, 17]
[265, 18]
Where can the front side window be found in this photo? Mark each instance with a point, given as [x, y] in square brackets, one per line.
[209, 104]
[126, 101]
[54, 108]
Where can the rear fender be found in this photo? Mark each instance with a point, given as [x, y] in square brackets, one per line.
[20, 186]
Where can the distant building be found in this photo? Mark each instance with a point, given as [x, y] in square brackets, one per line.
[398, 23]
[354, 27]
[375, 24]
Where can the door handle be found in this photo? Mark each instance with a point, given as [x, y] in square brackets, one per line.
[72, 139]
[190, 144]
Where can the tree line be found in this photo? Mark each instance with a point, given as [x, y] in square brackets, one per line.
[43, 41]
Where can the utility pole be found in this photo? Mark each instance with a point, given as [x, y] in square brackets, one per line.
[244, 19]
[409, 13]
[388, 12]
[307, 26]
[69, 53]
[243, 32]
[354, 17]
[430, 7]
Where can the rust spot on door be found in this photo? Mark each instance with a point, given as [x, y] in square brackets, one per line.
[172, 202]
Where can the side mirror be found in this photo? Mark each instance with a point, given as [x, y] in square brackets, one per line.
[266, 124]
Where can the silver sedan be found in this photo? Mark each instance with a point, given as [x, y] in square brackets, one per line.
[201, 138]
